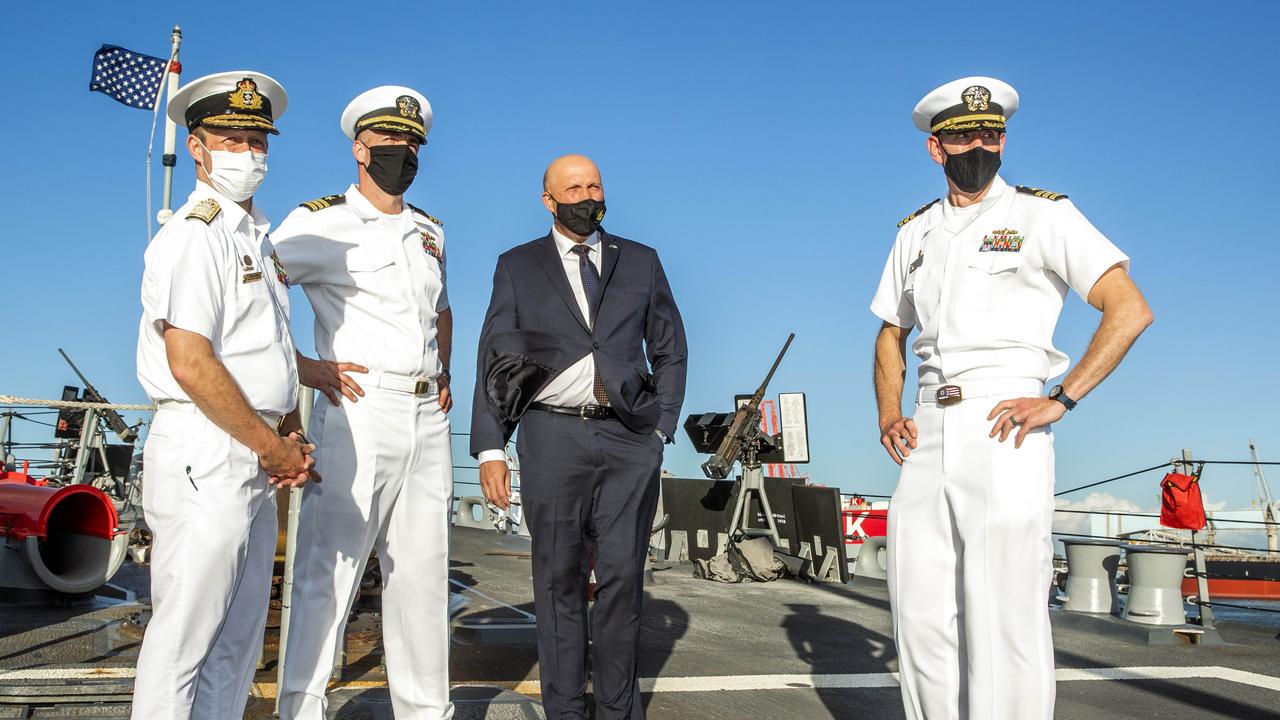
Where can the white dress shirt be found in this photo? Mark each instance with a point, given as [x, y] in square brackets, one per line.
[576, 385]
[218, 279]
[985, 283]
[375, 281]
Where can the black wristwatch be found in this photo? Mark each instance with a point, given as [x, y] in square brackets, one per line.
[1057, 394]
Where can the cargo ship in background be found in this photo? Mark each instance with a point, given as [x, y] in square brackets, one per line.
[1243, 577]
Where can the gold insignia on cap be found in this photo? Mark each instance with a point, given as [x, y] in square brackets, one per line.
[409, 106]
[205, 211]
[245, 96]
[976, 98]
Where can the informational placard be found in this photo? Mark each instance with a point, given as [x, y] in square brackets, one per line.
[795, 427]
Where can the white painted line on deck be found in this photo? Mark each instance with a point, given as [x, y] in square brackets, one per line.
[1250, 678]
[884, 680]
[766, 682]
[722, 683]
[1243, 677]
[75, 673]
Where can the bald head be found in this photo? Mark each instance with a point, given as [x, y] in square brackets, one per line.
[568, 170]
[569, 180]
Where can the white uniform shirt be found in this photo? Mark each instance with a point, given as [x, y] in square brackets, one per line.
[576, 385]
[375, 281]
[985, 284]
[219, 280]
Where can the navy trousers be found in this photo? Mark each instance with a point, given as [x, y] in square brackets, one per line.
[584, 484]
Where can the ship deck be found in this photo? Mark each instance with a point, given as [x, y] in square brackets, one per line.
[785, 649]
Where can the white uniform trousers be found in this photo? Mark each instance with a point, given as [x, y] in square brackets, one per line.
[388, 482]
[213, 517]
[970, 553]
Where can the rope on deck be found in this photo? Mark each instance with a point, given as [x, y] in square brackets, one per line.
[71, 404]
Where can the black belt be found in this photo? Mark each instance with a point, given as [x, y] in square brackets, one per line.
[586, 412]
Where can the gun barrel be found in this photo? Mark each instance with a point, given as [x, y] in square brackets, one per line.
[91, 394]
[776, 363]
[746, 423]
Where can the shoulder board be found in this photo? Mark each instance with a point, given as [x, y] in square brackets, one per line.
[425, 214]
[324, 202]
[1046, 194]
[915, 214]
[205, 211]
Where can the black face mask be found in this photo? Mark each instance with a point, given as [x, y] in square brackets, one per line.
[582, 217]
[973, 169]
[392, 167]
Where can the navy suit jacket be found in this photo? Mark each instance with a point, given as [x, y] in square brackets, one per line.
[534, 330]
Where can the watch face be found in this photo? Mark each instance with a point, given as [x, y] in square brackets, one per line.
[1058, 394]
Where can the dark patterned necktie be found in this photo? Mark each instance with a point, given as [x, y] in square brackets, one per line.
[591, 287]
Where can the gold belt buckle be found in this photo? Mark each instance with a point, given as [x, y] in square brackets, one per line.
[422, 387]
[948, 395]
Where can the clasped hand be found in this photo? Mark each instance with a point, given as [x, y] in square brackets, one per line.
[289, 462]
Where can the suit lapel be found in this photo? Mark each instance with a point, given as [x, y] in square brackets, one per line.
[611, 248]
[553, 266]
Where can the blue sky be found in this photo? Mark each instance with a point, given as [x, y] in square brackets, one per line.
[767, 151]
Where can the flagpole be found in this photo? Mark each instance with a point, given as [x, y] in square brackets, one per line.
[170, 159]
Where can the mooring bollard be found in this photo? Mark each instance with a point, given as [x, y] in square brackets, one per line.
[1091, 576]
[466, 513]
[871, 561]
[1155, 584]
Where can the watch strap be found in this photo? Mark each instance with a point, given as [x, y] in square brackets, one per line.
[1057, 393]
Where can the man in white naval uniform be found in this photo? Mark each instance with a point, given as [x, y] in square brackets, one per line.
[373, 268]
[215, 355]
[983, 274]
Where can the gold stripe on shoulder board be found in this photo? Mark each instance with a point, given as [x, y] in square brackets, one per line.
[205, 211]
[425, 214]
[324, 202]
[917, 213]
[1045, 194]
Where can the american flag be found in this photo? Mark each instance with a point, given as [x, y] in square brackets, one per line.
[126, 76]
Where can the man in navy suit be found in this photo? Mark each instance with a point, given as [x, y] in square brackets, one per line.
[574, 316]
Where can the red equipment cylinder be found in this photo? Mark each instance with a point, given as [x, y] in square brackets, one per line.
[69, 537]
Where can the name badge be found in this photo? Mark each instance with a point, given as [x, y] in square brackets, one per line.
[250, 275]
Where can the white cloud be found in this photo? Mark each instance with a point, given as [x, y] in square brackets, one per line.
[1219, 505]
[1075, 522]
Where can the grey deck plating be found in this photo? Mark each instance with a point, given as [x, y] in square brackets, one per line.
[710, 651]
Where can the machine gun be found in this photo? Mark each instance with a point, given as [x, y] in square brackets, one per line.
[744, 430]
[740, 440]
[114, 421]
